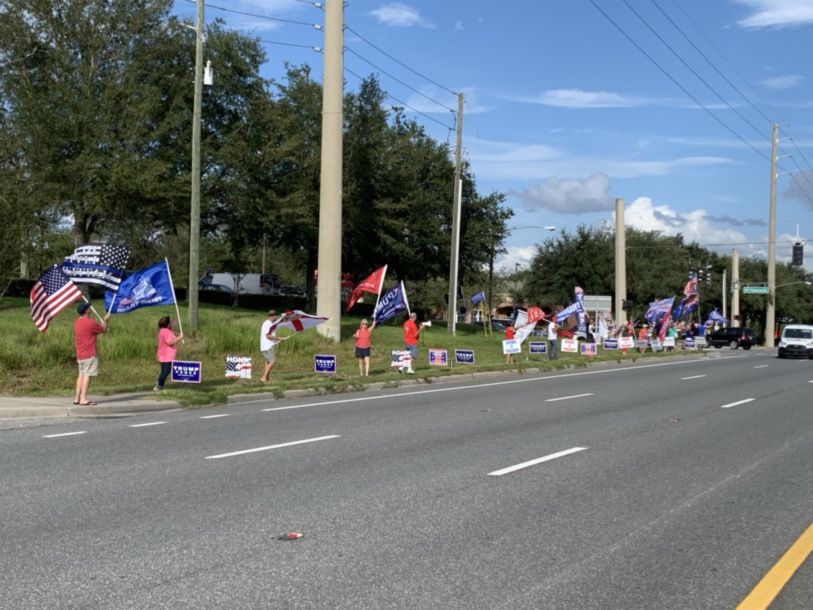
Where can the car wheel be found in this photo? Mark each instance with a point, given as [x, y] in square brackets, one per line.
[746, 347]
[734, 344]
[717, 346]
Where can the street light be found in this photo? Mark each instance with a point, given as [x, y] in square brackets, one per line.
[792, 283]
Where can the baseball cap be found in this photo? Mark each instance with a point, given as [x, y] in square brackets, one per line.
[82, 308]
[271, 312]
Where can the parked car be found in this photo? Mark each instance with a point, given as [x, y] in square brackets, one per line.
[496, 325]
[796, 341]
[733, 337]
[214, 288]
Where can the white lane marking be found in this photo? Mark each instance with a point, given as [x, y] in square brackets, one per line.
[255, 450]
[456, 388]
[762, 366]
[213, 416]
[739, 402]
[63, 434]
[692, 377]
[568, 397]
[547, 458]
[152, 423]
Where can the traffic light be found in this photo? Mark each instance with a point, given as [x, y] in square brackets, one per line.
[798, 254]
[700, 276]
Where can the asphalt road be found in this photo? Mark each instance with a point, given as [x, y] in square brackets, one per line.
[659, 485]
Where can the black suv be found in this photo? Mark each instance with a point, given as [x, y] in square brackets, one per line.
[733, 337]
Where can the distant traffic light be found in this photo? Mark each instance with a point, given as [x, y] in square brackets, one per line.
[798, 254]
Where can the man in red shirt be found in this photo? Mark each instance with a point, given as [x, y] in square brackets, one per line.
[84, 333]
[411, 333]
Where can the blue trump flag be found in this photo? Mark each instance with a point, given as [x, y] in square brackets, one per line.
[144, 288]
[480, 297]
[391, 304]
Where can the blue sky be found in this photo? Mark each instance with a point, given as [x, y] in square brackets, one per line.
[668, 104]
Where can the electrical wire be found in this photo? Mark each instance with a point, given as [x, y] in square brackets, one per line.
[681, 87]
[426, 78]
[392, 97]
[434, 101]
[230, 10]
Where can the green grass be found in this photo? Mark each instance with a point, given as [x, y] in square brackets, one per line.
[34, 364]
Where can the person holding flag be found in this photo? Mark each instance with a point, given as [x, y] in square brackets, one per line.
[411, 333]
[268, 343]
[84, 333]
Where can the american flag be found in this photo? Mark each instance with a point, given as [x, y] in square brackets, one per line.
[101, 264]
[238, 366]
[52, 293]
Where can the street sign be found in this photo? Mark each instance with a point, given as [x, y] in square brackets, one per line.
[755, 290]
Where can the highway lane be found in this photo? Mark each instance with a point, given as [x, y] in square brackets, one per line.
[674, 502]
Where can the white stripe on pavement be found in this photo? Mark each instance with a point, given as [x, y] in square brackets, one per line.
[568, 397]
[739, 402]
[291, 444]
[692, 377]
[63, 434]
[547, 458]
[152, 423]
[213, 416]
[762, 366]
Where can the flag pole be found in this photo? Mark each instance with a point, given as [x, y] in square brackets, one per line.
[93, 309]
[177, 310]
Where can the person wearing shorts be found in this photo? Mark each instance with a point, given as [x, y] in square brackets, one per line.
[268, 342]
[363, 346]
[87, 355]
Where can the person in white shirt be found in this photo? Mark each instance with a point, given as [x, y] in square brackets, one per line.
[552, 339]
[268, 342]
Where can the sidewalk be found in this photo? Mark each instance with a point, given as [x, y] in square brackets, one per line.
[62, 406]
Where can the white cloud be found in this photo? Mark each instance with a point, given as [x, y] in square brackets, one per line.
[400, 16]
[801, 187]
[787, 81]
[777, 13]
[569, 195]
[696, 225]
[516, 255]
[576, 98]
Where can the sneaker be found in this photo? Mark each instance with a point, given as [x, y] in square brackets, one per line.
[410, 372]
[157, 388]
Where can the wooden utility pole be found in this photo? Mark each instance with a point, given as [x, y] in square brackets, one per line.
[194, 215]
[770, 310]
[456, 205]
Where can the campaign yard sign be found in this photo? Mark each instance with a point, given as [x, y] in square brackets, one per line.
[438, 357]
[669, 342]
[570, 345]
[464, 356]
[537, 347]
[610, 344]
[324, 363]
[186, 372]
[588, 349]
[511, 346]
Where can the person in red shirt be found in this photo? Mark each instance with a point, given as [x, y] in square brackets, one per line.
[411, 333]
[84, 334]
[363, 345]
[510, 332]
[167, 348]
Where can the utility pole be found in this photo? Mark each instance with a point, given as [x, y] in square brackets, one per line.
[328, 299]
[770, 311]
[456, 205]
[725, 309]
[620, 265]
[735, 287]
[194, 215]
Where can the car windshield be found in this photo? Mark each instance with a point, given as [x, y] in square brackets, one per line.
[798, 333]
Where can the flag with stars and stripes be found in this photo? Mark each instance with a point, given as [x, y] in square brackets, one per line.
[101, 264]
[52, 293]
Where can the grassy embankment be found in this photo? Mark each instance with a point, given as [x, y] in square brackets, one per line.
[37, 364]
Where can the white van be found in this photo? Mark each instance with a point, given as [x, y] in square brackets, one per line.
[247, 283]
[796, 341]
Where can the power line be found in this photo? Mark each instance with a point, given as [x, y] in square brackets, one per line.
[681, 87]
[426, 116]
[426, 78]
[229, 10]
[399, 81]
[692, 70]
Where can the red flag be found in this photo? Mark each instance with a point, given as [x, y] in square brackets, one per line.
[373, 284]
[534, 315]
[52, 293]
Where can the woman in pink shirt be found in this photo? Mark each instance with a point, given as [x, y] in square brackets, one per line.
[167, 347]
[363, 344]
